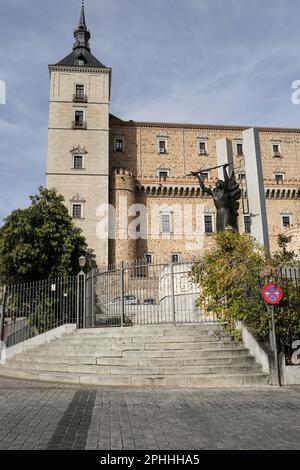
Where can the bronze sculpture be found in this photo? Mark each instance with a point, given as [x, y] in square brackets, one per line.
[226, 195]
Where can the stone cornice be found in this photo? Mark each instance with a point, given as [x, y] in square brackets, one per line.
[168, 188]
[75, 68]
[209, 127]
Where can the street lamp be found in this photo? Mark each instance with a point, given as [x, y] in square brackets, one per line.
[82, 262]
[81, 279]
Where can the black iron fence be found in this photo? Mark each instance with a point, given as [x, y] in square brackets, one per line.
[34, 308]
[140, 293]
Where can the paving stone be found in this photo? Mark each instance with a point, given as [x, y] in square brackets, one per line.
[50, 416]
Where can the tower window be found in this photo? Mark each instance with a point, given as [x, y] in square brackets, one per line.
[165, 222]
[78, 162]
[242, 175]
[79, 117]
[79, 94]
[162, 146]
[247, 223]
[239, 150]
[279, 178]
[119, 145]
[76, 211]
[79, 122]
[163, 175]
[205, 176]
[148, 258]
[286, 221]
[276, 150]
[80, 91]
[175, 258]
[202, 148]
[208, 226]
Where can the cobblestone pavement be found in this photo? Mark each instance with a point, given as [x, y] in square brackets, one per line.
[50, 416]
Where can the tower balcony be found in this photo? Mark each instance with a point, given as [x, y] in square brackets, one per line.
[80, 98]
[79, 125]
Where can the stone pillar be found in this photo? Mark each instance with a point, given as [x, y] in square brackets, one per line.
[224, 155]
[255, 187]
[123, 247]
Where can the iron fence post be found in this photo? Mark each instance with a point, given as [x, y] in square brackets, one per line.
[92, 299]
[81, 298]
[84, 299]
[2, 312]
[172, 291]
[122, 292]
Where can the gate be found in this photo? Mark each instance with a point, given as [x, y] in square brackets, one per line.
[142, 293]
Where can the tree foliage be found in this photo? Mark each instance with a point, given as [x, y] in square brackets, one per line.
[41, 241]
[231, 277]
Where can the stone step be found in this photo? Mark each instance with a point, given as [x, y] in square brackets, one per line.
[130, 370]
[61, 348]
[179, 353]
[168, 381]
[150, 329]
[142, 361]
[138, 339]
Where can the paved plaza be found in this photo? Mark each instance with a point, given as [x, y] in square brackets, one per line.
[50, 416]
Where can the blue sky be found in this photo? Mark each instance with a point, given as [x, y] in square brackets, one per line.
[200, 61]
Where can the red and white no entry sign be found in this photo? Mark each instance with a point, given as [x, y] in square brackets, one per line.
[272, 293]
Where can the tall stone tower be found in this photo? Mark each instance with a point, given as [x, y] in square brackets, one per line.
[78, 138]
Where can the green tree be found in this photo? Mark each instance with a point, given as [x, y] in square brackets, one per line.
[230, 277]
[41, 241]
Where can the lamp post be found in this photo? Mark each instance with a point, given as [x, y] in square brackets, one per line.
[81, 291]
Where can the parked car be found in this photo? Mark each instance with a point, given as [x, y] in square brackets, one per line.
[128, 300]
[149, 302]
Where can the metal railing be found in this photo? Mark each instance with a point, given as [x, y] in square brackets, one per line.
[140, 293]
[81, 98]
[79, 125]
[34, 308]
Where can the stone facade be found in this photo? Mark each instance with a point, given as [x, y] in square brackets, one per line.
[122, 163]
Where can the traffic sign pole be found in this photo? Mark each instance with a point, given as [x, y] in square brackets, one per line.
[274, 341]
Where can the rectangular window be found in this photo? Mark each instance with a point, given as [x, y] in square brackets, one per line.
[286, 221]
[119, 145]
[78, 162]
[239, 150]
[166, 223]
[148, 258]
[79, 118]
[279, 178]
[80, 92]
[242, 175]
[202, 148]
[175, 258]
[76, 211]
[276, 150]
[163, 175]
[247, 223]
[162, 146]
[208, 224]
[205, 176]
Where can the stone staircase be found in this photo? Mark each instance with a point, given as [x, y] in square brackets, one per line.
[200, 355]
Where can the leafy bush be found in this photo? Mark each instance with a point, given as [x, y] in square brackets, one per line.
[231, 277]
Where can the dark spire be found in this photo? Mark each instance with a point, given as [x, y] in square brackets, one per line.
[82, 37]
[82, 15]
[81, 54]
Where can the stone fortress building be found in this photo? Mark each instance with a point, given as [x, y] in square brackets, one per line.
[96, 159]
